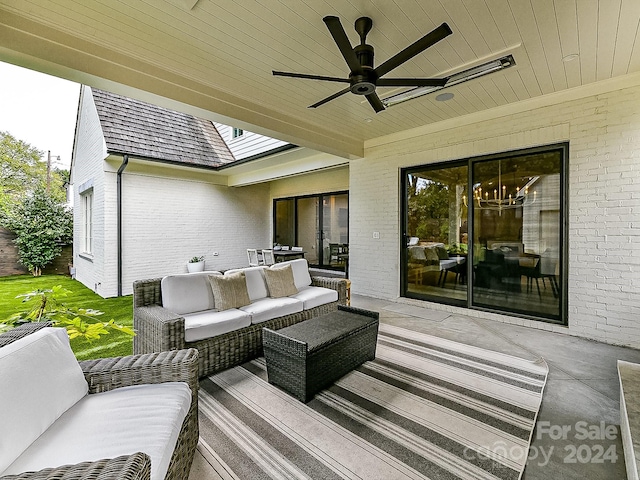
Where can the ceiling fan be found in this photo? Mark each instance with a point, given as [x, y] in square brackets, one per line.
[363, 77]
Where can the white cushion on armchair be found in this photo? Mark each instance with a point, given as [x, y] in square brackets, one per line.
[140, 418]
[40, 379]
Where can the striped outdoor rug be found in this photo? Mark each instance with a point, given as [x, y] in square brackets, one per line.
[426, 408]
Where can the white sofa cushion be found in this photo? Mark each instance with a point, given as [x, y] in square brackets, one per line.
[40, 379]
[256, 285]
[300, 267]
[315, 296]
[187, 292]
[141, 418]
[207, 324]
[268, 308]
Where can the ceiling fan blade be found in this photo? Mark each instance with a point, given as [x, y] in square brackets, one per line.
[341, 39]
[328, 99]
[411, 82]
[310, 77]
[375, 102]
[414, 49]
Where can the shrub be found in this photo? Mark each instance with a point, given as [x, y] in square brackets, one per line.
[42, 226]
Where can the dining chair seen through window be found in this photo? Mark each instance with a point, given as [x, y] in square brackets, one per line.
[267, 257]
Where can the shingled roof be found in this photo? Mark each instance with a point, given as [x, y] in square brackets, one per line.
[140, 129]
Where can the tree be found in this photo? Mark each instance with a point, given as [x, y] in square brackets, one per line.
[42, 225]
[23, 169]
[428, 211]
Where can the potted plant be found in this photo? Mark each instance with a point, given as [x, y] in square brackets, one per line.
[196, 264]
[457, 249]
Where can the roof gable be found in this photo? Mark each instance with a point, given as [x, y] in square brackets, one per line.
[136, 128]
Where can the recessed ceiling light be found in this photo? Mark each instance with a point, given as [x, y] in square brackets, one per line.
[570, 57]
[368, 120]
[443, 97]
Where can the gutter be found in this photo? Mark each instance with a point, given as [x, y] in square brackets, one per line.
[215, 168]
[125, 162]
[257, 156]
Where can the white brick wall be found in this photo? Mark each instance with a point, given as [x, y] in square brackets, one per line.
[169, 219]
[88, 155]
[109, 205]
[604, 204]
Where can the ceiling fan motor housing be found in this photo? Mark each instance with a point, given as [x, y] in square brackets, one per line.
[363, 78]
[363, 82]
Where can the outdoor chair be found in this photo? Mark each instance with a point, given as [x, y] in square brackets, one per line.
[107, 375]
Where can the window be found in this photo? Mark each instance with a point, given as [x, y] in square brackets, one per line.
[317, 223]
[284, 221]
[488, 232]
[86, 200]
[436, 226]
[236, 132]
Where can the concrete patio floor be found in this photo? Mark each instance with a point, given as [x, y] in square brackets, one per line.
[578, 430]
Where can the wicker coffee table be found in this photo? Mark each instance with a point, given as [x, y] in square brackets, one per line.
[311, 355]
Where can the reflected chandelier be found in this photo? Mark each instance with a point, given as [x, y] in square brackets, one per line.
[502, 199]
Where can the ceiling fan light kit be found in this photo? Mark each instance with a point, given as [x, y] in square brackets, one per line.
[363, 77]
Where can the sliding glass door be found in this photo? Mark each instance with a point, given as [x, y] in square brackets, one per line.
[317, 223]
[435, 243]
[517, 203]
[307, 224]
[335, 231]
[488, 232]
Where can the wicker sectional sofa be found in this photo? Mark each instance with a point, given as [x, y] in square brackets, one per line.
[94, 419]
[178, 311]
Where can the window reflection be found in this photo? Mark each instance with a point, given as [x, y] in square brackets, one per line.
[509, 257]
[516, 234]
[437, 232]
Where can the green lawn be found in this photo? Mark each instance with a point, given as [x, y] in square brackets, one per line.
[120, 309]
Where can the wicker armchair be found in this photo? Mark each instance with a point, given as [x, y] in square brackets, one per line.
[109, 373]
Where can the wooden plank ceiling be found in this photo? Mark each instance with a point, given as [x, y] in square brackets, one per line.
[225, 50]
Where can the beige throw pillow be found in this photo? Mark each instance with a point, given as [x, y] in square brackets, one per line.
[280, 281]
[229, 291]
